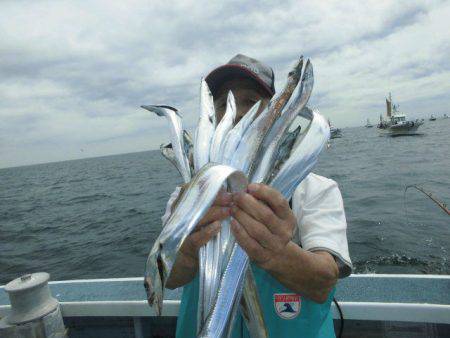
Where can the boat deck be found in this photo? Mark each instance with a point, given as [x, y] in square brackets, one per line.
[419, 304]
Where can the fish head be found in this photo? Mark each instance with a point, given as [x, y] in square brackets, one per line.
[154, 298]
[154, 281]
[167, 152]
[207, 102]
[161, 110]
[164, 146]
[297, 69]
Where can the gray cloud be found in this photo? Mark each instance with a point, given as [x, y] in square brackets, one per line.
[72, 75]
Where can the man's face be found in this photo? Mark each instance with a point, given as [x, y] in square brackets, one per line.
[246, 94]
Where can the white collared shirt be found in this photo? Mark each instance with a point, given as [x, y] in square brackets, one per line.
[318, 206]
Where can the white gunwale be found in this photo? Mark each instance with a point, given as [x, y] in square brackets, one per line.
[137, 279]
[371, 311]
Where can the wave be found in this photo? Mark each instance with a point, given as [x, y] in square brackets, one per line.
[88, 198]
[412, 264]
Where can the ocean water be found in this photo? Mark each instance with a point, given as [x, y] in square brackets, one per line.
[98, 218]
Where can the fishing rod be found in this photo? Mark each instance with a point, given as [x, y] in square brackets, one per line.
[442, 205]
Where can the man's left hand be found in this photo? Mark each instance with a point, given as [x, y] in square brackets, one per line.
[263, 223]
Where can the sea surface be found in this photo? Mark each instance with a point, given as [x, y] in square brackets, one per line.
[98, 218]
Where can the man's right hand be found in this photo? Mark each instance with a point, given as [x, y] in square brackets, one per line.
[186, 263]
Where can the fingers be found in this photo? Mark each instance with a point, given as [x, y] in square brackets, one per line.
[223, 199]
[202, 237]
[272, 197]
[257, 210]
[219, 209]
[199, 238]
[255, 229]
[215, 213]
[255, 251]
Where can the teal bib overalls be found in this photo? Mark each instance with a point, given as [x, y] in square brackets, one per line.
[286, 314]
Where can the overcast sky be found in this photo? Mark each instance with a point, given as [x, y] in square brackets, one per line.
[73, 74]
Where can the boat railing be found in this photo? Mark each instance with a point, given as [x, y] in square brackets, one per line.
[371, 297]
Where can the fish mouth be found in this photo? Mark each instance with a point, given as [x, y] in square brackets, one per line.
[168, 107]
[148, 107]
[154, 299]
[155, 107]
[154, 281]
[152, 106]
[149, 290]
[161, 267]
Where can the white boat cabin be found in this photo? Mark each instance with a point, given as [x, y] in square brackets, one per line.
[398, 118]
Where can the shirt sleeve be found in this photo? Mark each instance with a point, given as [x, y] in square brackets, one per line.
[317, 203]
[171, 200]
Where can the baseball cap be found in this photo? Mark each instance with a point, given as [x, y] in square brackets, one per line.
[243, 66]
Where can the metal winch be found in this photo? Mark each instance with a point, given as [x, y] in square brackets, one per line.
[34, 312]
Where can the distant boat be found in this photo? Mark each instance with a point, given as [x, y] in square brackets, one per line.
[432, 118]
[445, 116]
[396, 123]
[334, 132]
[368, 124]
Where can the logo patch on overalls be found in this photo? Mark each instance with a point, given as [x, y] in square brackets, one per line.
[287, 305]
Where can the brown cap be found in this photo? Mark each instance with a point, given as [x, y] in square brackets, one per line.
[243, 66]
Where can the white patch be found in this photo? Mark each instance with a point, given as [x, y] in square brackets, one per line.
[287, 305]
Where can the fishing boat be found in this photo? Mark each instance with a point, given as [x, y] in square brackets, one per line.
[372, 305]
[368, 124]
[396, 123]
[334, 132]
[432, 118]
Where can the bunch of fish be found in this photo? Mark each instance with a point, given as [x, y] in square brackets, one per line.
[259, 148]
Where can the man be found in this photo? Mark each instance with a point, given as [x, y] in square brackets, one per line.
[297, 253]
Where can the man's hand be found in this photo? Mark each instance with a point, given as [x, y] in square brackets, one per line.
[263, 223]
[263, 226]
[186, 263]
[208, 226]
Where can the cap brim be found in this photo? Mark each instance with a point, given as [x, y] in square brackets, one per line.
[221, 74]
